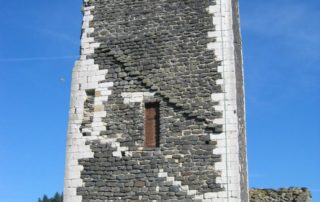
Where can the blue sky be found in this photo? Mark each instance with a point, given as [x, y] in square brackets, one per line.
[40, 42]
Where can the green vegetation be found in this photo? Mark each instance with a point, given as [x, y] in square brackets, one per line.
[57, 198]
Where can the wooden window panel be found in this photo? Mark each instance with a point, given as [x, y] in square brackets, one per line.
[151, 125]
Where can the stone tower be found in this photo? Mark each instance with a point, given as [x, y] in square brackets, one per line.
[157, 105]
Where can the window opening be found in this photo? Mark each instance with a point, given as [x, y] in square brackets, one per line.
[151, 125]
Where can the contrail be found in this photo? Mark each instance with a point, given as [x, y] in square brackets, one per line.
[37, 58]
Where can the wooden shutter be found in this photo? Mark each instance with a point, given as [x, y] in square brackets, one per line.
[151, 125]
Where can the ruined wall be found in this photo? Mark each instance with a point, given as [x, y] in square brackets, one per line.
[281, 195]
[182, 55]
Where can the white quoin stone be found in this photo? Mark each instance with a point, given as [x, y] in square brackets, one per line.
[228, 141]
[86, 76]
[135, 96]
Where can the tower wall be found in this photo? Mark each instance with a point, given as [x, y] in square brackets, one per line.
[183, 55]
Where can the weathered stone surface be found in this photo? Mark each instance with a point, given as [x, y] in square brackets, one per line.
[155, 46]
[139, 184]
[280, 195]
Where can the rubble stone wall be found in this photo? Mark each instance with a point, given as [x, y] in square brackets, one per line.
[281, 195]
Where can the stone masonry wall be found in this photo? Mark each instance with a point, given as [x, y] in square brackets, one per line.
[179, 54]
[281, 195]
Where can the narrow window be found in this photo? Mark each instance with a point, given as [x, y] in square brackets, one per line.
[151, 125]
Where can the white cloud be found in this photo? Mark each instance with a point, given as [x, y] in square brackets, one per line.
[294, 24]
[37, 58]
[60, 35]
